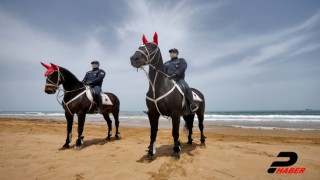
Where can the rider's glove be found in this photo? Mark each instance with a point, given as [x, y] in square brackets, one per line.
[172, 76]
[88, 82]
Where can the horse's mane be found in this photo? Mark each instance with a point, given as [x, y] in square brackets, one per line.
[69, 75]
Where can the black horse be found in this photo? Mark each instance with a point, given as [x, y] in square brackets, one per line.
[165, 97]
[75, 101]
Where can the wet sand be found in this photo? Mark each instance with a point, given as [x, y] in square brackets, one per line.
[30, 149]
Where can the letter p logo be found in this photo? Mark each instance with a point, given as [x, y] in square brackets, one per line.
[293, 157]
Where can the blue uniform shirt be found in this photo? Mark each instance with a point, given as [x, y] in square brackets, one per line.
[95, 76]
[176, 66]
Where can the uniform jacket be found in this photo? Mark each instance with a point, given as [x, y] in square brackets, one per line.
[176, 66]
[95, 76]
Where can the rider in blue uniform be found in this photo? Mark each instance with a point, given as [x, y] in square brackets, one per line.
[94, 79]
[176, 68]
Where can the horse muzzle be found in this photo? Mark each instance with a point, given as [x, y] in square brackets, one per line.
[50, 90]
[137, 62]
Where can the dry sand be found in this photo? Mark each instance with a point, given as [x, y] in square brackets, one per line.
[30, 150]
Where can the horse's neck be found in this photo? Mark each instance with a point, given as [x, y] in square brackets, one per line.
[159, 81]
[70, 82]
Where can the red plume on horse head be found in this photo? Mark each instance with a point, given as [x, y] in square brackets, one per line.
[50, 69]
[144, 39]
[54, 67]
[155, 39]
[45, 65]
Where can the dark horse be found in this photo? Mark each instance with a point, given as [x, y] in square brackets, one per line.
[75, 101]
[164, 97]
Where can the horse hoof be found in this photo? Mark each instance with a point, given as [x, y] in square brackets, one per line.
[203, 140]
[149, 157]
[79, 142]
[108, 138]
[176, 155]
[77, 147]
[66, 146]
[190, 142]
[203, 144]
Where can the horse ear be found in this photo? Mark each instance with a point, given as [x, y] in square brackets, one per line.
[44, 65]
[54, 67]
[155, 38]
[144, 39]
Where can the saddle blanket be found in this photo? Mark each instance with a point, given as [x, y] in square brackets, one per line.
[105, 98]
[196, 97]
[182, 91]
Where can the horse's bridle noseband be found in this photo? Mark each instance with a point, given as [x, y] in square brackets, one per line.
[52, 84]
[150, 59]
[148, 55]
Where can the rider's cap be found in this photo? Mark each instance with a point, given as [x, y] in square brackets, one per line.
[174, 50]
[95, 62]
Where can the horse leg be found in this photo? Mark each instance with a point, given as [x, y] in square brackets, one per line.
[69, 118]
[154, 121]
[189, 121]
[109, 122]
[116, 119]
[81, 120]
[201, 118]
[175, 134]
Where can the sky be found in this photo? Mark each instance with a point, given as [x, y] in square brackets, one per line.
[243, 55]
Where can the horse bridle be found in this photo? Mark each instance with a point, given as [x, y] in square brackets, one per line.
[148, 55]
[149, 60]
[56, 85]
[52, 84]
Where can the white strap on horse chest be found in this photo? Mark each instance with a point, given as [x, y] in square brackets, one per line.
[67, 104]
[155, 100]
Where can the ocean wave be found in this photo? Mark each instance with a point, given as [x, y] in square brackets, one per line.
[268, 121]
[272, 128]
[261, 120]
[207, 117]
[263, 116]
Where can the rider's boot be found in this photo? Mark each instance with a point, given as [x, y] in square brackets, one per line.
[193, 106]
[99, 104]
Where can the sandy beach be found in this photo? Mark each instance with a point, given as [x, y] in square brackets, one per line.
[30, 149]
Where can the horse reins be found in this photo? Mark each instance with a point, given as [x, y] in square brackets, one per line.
[56, 85]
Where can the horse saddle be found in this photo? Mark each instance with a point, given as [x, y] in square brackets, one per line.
[185, 103]
[105, 98]
[183, 92]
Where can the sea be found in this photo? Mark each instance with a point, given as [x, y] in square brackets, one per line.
[289, 120]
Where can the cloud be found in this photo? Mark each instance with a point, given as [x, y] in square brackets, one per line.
[224, 59]
[308, 48]
[249, 53]
[24, 46]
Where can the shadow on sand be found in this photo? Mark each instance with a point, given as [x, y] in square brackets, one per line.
[92, 142]
[167, 150]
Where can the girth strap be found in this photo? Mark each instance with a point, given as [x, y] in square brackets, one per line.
[76, 97]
